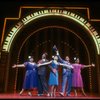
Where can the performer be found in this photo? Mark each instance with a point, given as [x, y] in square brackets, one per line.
[31, 75]
[77, 81]
[66, 74]
[53, 78]
[31, 79]
[42, 83]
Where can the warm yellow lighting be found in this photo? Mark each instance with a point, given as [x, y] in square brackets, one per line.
[51, 12]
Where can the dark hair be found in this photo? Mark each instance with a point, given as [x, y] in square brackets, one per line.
[46, 53]
[54, 56]
[29, 57]
[76, 58]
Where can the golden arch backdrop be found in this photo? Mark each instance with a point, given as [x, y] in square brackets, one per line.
[50, 12]
[7, 42]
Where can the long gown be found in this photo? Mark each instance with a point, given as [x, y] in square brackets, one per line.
[30, 79]
[76, 76]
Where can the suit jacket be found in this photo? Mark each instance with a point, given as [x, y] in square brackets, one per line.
[65, 70]
[42, 69]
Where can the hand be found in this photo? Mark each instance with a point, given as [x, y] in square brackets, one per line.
[72, 67]
[38, 65]
[57, 52]
[14, 66]
[54, 70]
[54, 48]
[93, 65]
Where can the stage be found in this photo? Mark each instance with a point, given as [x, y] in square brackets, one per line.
[31, 29]
[34, 96]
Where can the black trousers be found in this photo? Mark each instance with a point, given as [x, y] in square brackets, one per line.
[42, 84]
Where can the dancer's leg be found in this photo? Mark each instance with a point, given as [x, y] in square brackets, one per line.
[75, 91]
[21, 92]
[52, 90]
[55, 88]
[83, 92]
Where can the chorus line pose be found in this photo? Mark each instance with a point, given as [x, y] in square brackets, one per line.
[77, 81]
[42, 82]
[31, 75]
[53, 78]
[66, 76]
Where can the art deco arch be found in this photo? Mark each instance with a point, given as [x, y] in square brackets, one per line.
[51, 12]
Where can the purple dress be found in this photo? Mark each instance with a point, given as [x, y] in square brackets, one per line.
[30, 80]
[76, 76]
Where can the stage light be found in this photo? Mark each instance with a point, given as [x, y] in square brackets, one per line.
[51, 12]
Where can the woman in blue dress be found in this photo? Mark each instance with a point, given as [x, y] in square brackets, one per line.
[30, 79]
[31, 75]
[53, 78]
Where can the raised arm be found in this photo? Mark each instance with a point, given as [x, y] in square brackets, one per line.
[47, 63]
[19, 65]
[59, 58]
[66, 65]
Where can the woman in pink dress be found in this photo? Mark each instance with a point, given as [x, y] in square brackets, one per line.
[77, 81]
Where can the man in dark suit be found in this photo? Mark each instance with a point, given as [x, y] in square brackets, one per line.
[42, 82]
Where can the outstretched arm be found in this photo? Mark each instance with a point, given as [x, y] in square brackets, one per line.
[47, 63]
[66, 65]
[89, 65]
[19, 65]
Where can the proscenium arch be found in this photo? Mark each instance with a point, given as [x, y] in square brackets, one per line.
[51, 12]
[46, 27]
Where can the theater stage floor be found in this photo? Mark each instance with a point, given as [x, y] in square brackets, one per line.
[25, 96]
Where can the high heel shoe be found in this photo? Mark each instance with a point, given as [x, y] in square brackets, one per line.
[51, 94]
[75, 94]
[29, 93]
[48, 95]
[84, 94]
[20, 94]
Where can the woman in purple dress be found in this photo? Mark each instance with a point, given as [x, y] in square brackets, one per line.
[77, 81]
[30, 79]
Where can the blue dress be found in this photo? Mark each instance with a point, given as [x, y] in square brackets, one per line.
[30, 80]
[53, 78]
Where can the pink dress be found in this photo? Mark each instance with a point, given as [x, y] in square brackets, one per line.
[76, 76]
